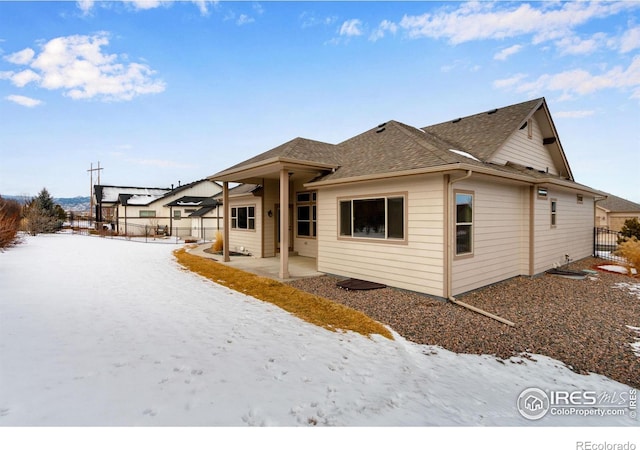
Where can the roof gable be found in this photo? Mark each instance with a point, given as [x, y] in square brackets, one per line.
[483, 134]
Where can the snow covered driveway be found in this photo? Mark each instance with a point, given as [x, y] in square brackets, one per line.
[108, 332]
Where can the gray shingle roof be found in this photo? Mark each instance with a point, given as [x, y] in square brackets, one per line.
[482, 134]
[618, 204]
[300, 149]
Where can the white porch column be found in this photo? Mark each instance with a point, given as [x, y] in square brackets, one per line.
[226, 221]
[284, 224]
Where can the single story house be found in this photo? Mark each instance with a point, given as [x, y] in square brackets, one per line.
[137, 211]
[612, 212]
[440, 210]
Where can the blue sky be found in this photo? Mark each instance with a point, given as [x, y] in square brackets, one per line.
[165, 91]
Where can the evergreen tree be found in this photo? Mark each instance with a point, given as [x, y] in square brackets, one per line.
[631, 228]
[41, 214]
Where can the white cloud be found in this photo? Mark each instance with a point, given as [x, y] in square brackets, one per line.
[492, 20]
[385, 26]
[574, 114]
[578, 81]
[22, 57]
[309, 19]
[503, 54]
[351, 28]
[630, 40]
[77, 65]
[574, 45]
[203, 5]
[24, 101]
[244, 19]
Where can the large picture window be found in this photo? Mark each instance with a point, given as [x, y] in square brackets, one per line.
[374, 218]
[147, 213]
[243, 217]
[306, 217]
[464, 223]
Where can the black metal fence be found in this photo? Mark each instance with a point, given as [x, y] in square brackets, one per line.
[143, 233]
[605, 243]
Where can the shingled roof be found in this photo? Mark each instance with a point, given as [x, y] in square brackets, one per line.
[483, 134]
[299, 149]
[618, 204]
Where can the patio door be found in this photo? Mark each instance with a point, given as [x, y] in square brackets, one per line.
[277, 208]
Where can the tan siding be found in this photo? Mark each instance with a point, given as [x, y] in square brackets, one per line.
[271, 198]
[528, 152]
[416, 265]
[573, 234]
[500, 235]
[249, 240]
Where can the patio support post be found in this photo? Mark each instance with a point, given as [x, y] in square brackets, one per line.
[284, 224]
[226, 221]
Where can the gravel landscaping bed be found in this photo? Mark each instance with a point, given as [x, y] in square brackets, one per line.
[584, 323]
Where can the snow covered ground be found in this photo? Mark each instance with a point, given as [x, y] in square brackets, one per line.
[100, 332]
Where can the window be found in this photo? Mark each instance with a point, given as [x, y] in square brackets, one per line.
[144, 213]
[554, 211]
[464, 223]
[542, 193]
[306, 218]
[376, 218]
[177, 214]
[189, 211]
[579, 198]
[243, 217]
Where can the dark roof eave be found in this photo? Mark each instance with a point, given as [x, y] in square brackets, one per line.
[271, 165]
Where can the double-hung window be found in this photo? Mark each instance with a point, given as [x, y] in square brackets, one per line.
[464, 223]
[243, 217]
[306, 217]
[380, 217]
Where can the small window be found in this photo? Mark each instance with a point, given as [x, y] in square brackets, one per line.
[177, 214]
[147, 213]
[542, 193]
[189, 211]
[373, 218]
[243, 217]
[554, 212]
[579, 199]
[464, 223]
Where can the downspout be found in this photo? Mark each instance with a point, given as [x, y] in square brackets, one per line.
[448, 233]
[170, 220]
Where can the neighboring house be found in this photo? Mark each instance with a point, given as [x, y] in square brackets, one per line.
[108, 197]
[439, 210]
[612, 212]
[138, 211]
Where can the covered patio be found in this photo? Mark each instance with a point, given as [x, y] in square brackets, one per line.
[298, 266]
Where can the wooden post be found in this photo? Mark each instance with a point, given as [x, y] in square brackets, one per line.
[284, 224]
[226, 221]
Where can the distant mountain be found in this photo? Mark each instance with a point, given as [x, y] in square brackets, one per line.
[76, 204]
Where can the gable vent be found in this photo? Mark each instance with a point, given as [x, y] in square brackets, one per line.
[549, 140]
[493, 111]
[524, 125]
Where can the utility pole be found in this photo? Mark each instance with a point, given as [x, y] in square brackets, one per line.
[91, 170]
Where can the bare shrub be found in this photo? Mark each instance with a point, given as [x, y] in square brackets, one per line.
[630, 251]
[218, 244]
[9, 222]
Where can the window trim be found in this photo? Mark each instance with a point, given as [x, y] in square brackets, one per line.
[542, 193]
[232, 217]
[312, 204]
[553, 213]
[147, 214]
[471, 253]
[386, 240]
